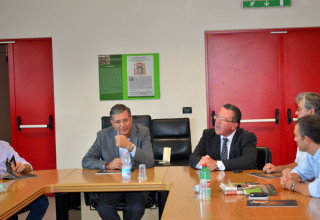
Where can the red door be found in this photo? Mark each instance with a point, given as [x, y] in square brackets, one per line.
[260, 72]
[243, 69]
[32, 101]
[302, 55]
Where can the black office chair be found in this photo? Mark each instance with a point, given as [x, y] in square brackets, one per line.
[173, 133]
[264, 156]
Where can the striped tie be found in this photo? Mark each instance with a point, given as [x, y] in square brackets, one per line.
[224, 152]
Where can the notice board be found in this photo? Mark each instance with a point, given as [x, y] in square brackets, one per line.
[129, 76]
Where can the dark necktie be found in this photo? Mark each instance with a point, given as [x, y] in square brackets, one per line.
[224, 152]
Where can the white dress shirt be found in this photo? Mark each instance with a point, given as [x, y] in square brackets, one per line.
[220, 164]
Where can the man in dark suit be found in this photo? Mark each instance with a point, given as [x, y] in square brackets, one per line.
[111, 143]
[226, 146]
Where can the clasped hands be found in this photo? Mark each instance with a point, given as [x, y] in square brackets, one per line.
[211, 163]
[287, 180]
[123, 142]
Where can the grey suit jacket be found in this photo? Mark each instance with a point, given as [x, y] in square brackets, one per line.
[243, 152]
[104, 149]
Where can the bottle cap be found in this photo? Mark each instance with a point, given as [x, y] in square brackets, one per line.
[204, 164]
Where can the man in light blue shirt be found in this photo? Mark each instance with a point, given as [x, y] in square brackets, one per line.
[38, 207]
[307, 136]
[6, 152]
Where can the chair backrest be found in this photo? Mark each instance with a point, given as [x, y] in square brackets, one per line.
[264, 156]
[144, 120]
[174, 133]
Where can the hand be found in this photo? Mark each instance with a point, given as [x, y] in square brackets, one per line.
[211, 163]
[205, 159]
[20, 167]
[286, 181]
[122, 141]
[116, 164]
[286, 171]
[269, 168]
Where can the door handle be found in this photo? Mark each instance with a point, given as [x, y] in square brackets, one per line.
[49, 125]
[276, 119]
[213, 113]
[290, 119]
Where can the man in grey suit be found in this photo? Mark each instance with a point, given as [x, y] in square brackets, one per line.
[106, 152]
[226, 146]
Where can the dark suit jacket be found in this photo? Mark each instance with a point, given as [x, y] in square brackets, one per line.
[243, 152]
[104, 149]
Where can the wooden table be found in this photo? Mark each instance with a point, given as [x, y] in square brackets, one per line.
[182, 202]
[20, 193]
[84, 180]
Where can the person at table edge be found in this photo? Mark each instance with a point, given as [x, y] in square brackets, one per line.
[111, 143]
[39, 206]
[306, 131]
[241, 144]
[308, 104]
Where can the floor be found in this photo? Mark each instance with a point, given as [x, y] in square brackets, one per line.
[85, 213]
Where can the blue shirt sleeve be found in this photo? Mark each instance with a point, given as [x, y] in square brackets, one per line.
[314, 188]
[304, 169]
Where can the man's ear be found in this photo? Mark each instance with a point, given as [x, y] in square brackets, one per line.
[307, 139]
[312, 111]
[111, 122]
[235, 125]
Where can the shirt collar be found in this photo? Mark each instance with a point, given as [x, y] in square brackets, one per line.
[316, 156]
[230, 137]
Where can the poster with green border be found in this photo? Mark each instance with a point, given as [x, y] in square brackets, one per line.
[110, 77]
[115, 72]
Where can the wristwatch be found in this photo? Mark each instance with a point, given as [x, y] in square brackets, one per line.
[131, 148]
[292, 186]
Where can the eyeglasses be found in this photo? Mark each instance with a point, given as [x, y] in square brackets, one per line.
[124, 121]
[299, 109]
[217, 117]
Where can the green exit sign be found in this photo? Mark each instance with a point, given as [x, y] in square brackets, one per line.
[266, 3]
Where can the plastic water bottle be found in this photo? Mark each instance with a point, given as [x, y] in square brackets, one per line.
[2, 186]
[205, 183]
[126, 168]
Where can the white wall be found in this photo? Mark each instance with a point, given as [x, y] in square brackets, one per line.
[81, 30]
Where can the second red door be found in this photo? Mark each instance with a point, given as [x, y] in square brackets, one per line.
[262, 72]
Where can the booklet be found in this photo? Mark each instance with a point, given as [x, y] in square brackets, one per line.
[267, 175]
[231, 189]
[247, 188]
[11, 174]
[272, 203]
